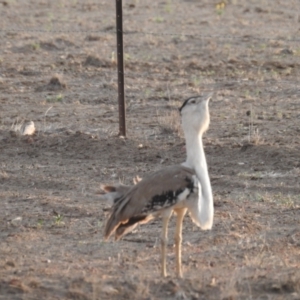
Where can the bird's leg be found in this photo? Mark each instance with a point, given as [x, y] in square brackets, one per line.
[164, 241]
[178, 239]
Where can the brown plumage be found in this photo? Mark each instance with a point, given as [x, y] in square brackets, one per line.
[147, 198]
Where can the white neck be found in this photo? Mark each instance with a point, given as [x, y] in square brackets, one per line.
[202, 211]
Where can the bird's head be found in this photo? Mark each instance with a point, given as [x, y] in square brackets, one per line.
[195, 113]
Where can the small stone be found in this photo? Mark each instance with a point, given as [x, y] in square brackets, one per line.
[16, 221]
[28, 128]
[108, 289]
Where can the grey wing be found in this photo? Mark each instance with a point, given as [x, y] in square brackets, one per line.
[160, 190]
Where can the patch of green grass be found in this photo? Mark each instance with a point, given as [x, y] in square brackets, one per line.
[263, 46]
[50, 20]
[40, 223]
[279, 114]
[36, 46]
[168, 7]
[254, 175]
[297, 52]
[127, 56]
[220, 8]
[247, 94]
[196, 80]
[158, 19]
[147, 93]
[279, 199]
[286, 200]
[58, 220]
[56, 98]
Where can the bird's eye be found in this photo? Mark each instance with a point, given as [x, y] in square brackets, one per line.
[193, 101]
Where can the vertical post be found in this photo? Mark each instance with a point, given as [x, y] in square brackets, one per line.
[121, 92]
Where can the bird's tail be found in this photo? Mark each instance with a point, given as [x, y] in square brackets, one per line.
[111, 225]
[115, 195]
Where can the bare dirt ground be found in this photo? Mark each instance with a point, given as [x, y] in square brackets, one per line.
[51, 219]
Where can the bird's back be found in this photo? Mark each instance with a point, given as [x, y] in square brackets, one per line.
[162, 189]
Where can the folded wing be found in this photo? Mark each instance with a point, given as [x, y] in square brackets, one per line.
[160, 190]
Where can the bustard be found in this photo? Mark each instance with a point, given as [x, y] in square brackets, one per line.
[178, 188]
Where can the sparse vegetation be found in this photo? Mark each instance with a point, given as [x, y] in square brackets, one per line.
[220, 7]
[170, 123]
[40, 223]
[36, 46]
[55, 98]
[51, 217]
[158, 19]
[168, 6]
[58, 220]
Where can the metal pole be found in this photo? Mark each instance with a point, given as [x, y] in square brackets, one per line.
[121, 96]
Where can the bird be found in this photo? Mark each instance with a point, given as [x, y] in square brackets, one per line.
[178, 188]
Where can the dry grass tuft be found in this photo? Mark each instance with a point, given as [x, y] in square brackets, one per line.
[3, 175]
[95, 61]
[56, 83]
[131, 288]
[170, 123]
[15, 285]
